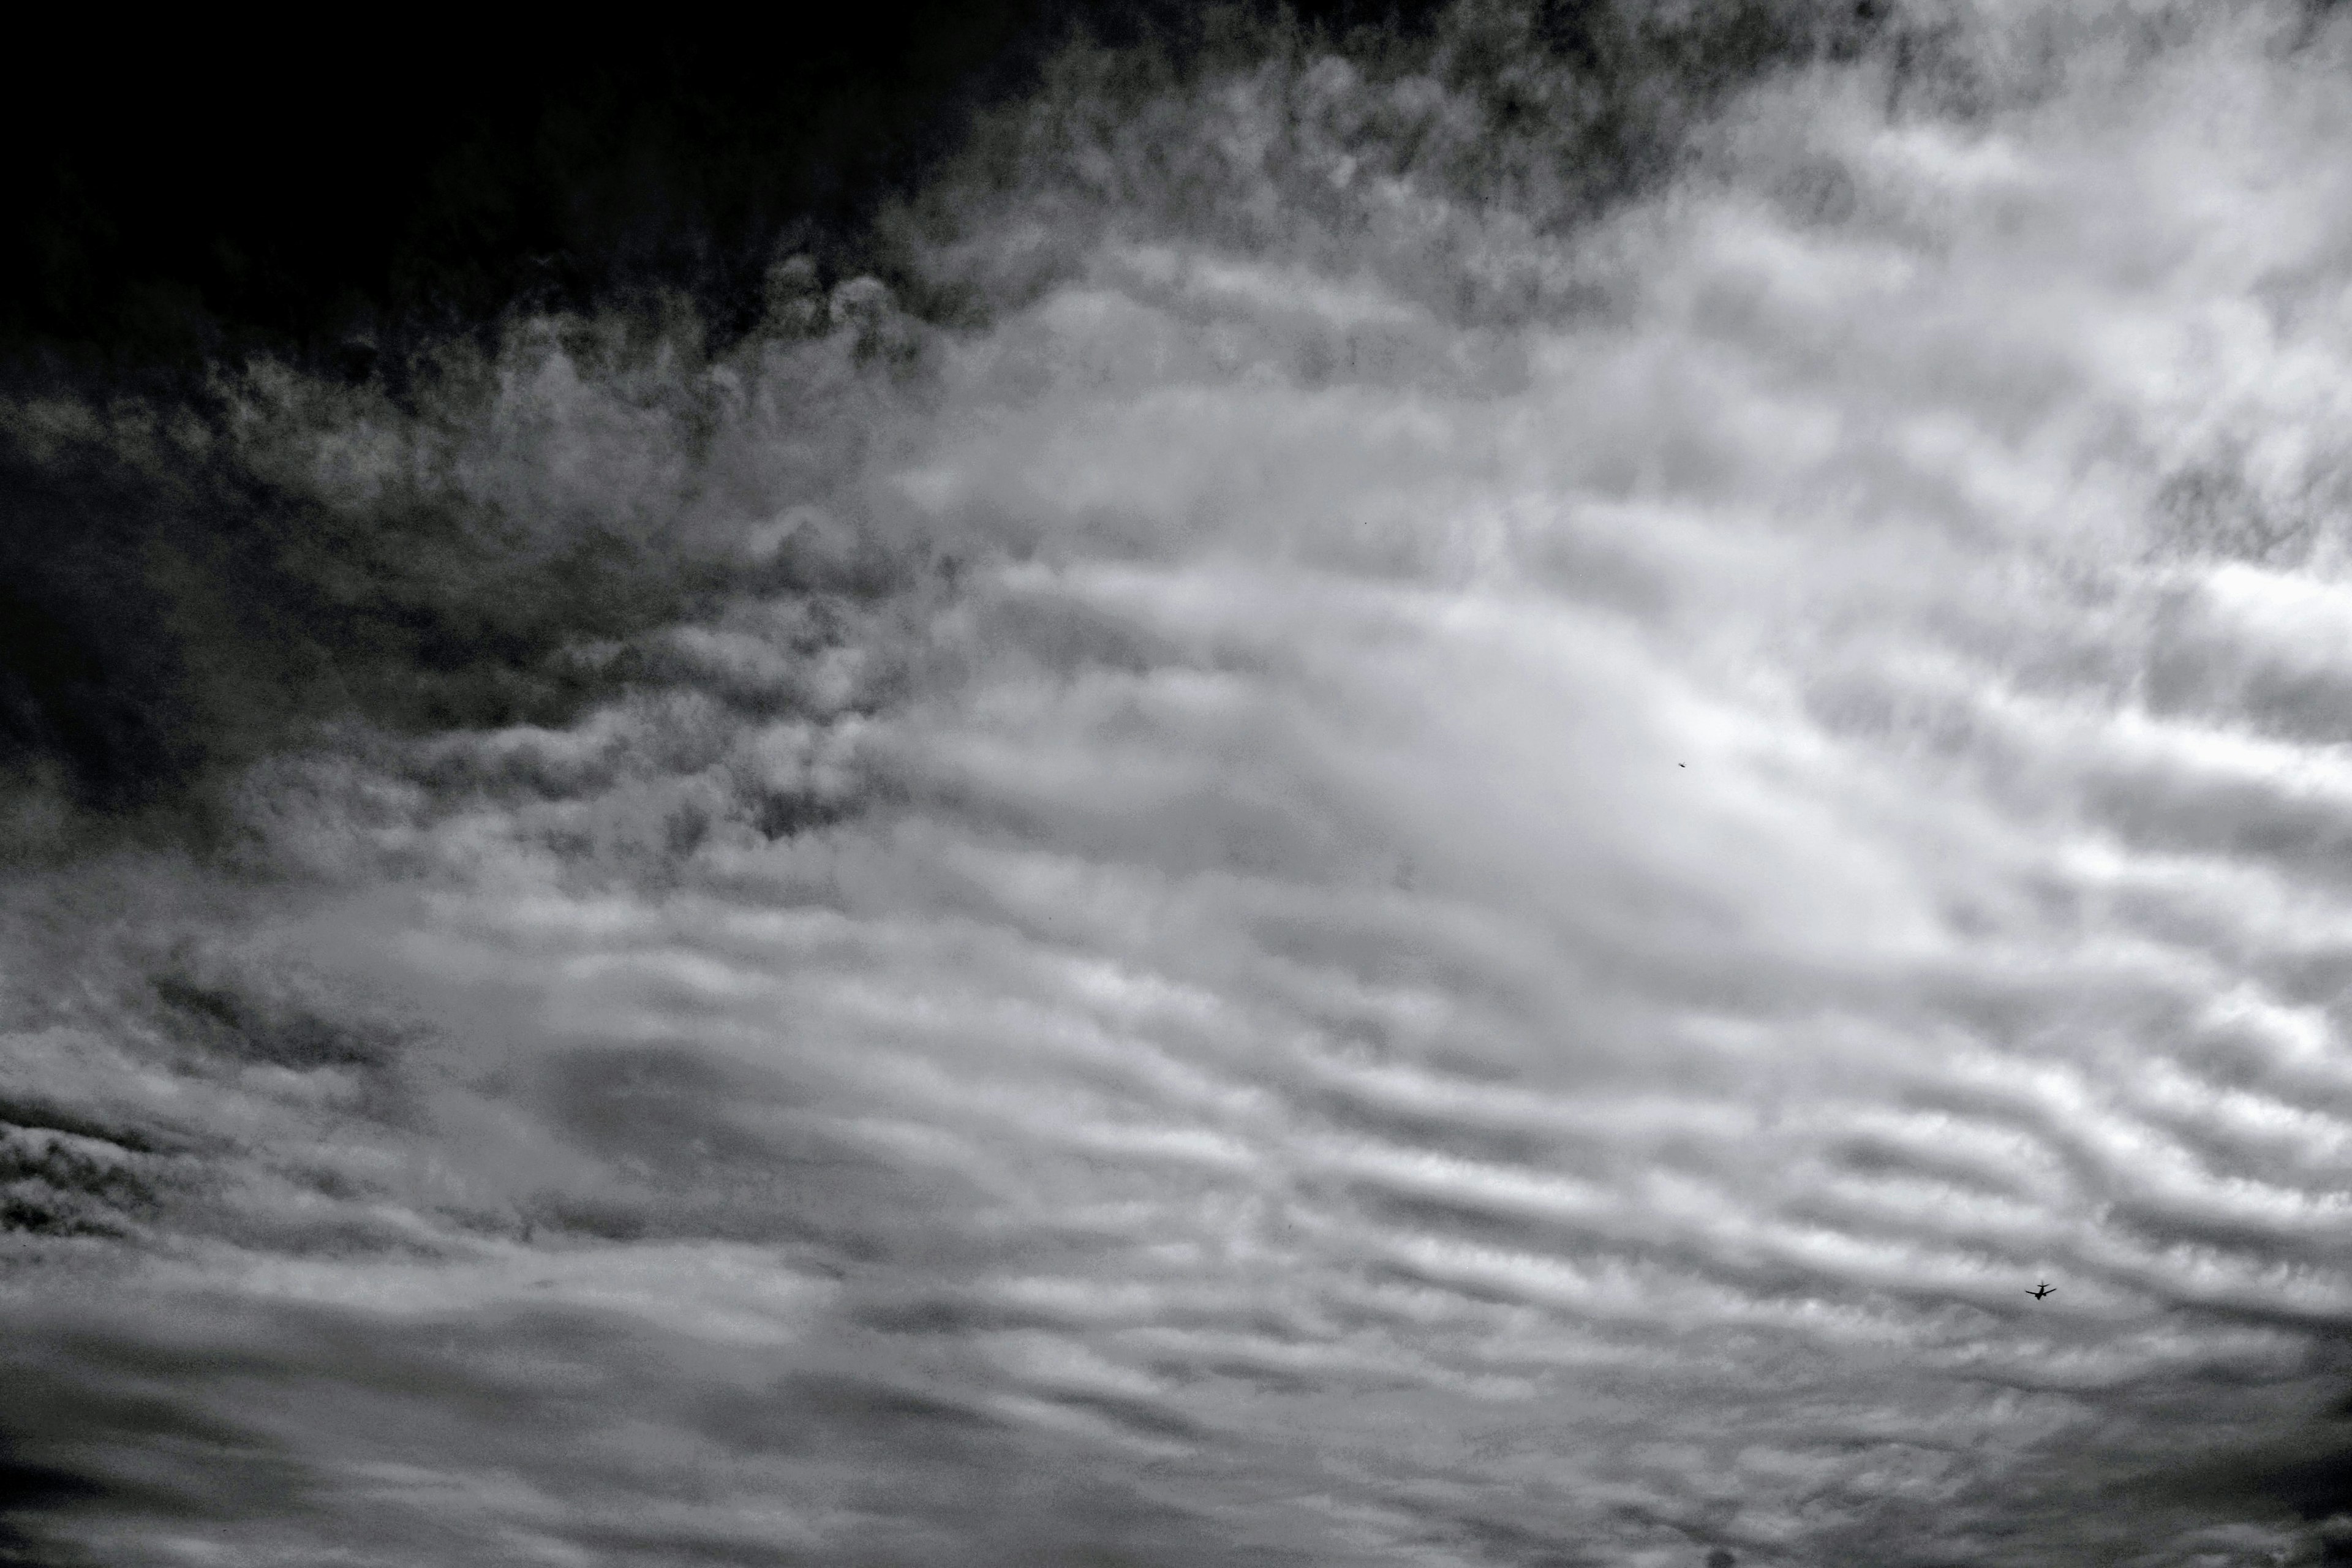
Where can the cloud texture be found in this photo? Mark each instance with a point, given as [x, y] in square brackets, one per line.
[1417, 858]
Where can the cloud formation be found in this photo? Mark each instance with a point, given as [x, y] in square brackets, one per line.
[1471, 872]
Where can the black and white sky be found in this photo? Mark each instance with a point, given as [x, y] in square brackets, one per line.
[1118, 788]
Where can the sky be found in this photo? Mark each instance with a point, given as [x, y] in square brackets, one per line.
[1456, 834]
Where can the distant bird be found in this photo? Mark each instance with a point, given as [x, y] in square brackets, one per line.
[2045, 1290]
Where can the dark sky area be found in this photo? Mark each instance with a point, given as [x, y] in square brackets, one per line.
[219, 188]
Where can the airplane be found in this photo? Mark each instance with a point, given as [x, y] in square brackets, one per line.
[2046, 1289]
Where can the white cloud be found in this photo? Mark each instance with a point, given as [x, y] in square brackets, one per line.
[1447, 921]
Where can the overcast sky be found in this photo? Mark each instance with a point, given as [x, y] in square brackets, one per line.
[1395, 864]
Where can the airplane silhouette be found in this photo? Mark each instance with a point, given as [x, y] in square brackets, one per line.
[2045, 1290]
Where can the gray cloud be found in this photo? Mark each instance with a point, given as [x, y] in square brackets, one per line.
[1369, 879]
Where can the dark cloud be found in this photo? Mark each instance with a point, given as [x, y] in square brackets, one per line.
[30, 1493]
[176, 618]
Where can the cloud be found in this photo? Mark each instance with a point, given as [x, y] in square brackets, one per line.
[1114, 962]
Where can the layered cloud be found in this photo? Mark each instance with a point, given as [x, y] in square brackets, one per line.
[1468, 872]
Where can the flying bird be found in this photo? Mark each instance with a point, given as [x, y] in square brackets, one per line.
[2045, 1290]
